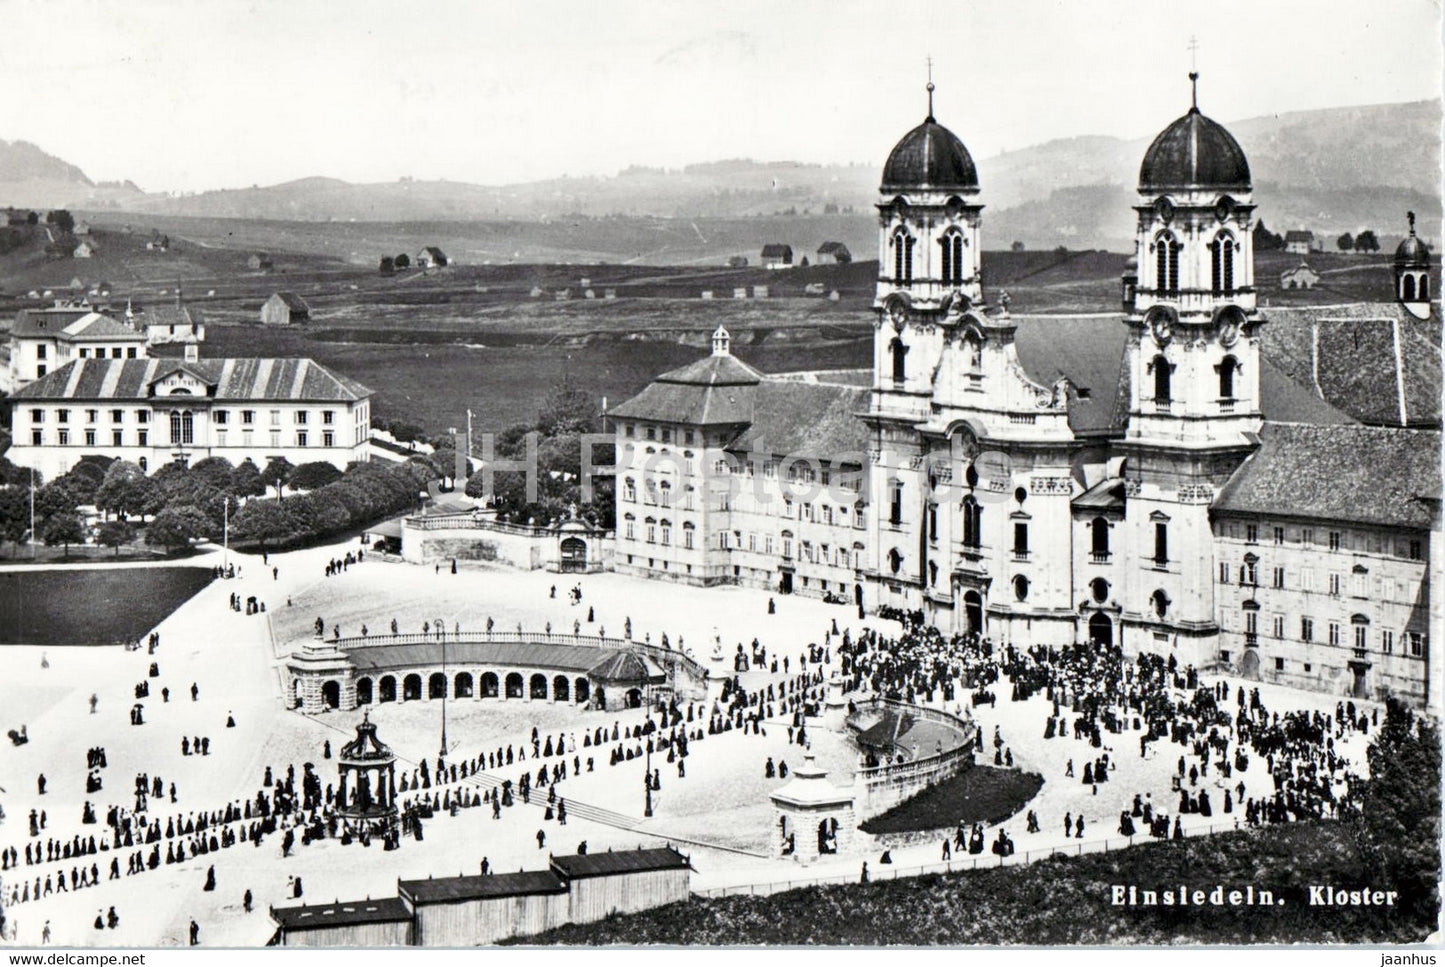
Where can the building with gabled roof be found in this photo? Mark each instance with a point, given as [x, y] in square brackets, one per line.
[42, 340]
[431, 257]
[776, 255]
[153, 411]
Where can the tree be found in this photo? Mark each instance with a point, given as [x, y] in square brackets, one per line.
[63, 528]
[246, 480]
[278, 471]
[175, 527]
[61, 219]
[263, 520]
[113, 494]
[1367, 242]
[14, 513]
[114, 533]
[402, 261]
[311, 476]
[388, 265]
[1017, 247]
[1345, 242]
[215, 471]
[56, 497]
[1265, 240]
[1395, 813]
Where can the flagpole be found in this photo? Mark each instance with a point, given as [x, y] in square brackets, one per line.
[32, 513]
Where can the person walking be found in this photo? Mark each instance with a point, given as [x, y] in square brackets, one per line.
[195, 933]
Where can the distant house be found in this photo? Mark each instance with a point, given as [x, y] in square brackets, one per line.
[834, 252]
[82, 228]
[431, 257]
[159, 243]
[284, 309]
[1301, 242]
[259, 261]
[84, 250]
[777, 256]
[1299, 277]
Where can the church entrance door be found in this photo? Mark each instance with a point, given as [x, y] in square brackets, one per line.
[973, 612]
[1249, 665]
[1101, 629]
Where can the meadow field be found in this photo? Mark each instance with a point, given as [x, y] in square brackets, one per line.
[92, 606]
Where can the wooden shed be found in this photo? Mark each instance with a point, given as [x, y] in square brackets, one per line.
[465, 911]
[284, 308]
[355, 923]
[599, 884]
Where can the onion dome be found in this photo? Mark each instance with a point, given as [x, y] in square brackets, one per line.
[1194, 152]
[932, 157]
[1412, 253]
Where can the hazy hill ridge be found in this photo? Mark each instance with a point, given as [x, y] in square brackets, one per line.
[1332, 170]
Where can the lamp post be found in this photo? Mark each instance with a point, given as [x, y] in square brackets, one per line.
[444, 694]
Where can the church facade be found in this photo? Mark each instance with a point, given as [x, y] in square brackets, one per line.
[1149, 478]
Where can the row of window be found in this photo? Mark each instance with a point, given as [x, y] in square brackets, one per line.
[98, 352]
[1166, 248]
[182, 434]
[951, 264]
[1335, 540]
[218, 417]
[1334, 634]
[1360, 585]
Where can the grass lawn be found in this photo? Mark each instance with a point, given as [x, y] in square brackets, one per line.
[93, 606]
[1055, 901]
[983, 794]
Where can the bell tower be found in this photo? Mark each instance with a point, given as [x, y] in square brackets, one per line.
[1193, 367]
[1412, 274]
[1192, 311]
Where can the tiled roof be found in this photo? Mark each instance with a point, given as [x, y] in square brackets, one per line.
[569, 658]
[168, 315]
[585, 865]
[1360, 474]
[97, 326]
[627, 666]
[777, 250]
[813, 419]
[244, 379]
[715, 390]
[1364, 359]
[454, 889]
[1089, 352]
[46, 322]
[293, 301]
[1285, 401]
[320, 916]
[1107, 494]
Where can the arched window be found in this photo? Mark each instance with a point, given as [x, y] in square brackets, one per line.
[629, 527]
[1424, 288]
[902, 258]
[651, 532]
[629, 490]
[895, 560]
[1099, 538]
[1407, 288]
[895, 504]
[175, 428]
[1160, 602]
[900, 359]
[1227, 369]
[972, 522]
[1166, 264]
[952, 257]
[1221, 274]
[666, 532]
[1100, 589]
[688, 534]
[1162, 371]
[1021, 587]
[142, 464]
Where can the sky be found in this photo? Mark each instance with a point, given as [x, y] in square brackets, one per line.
[178, 95]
